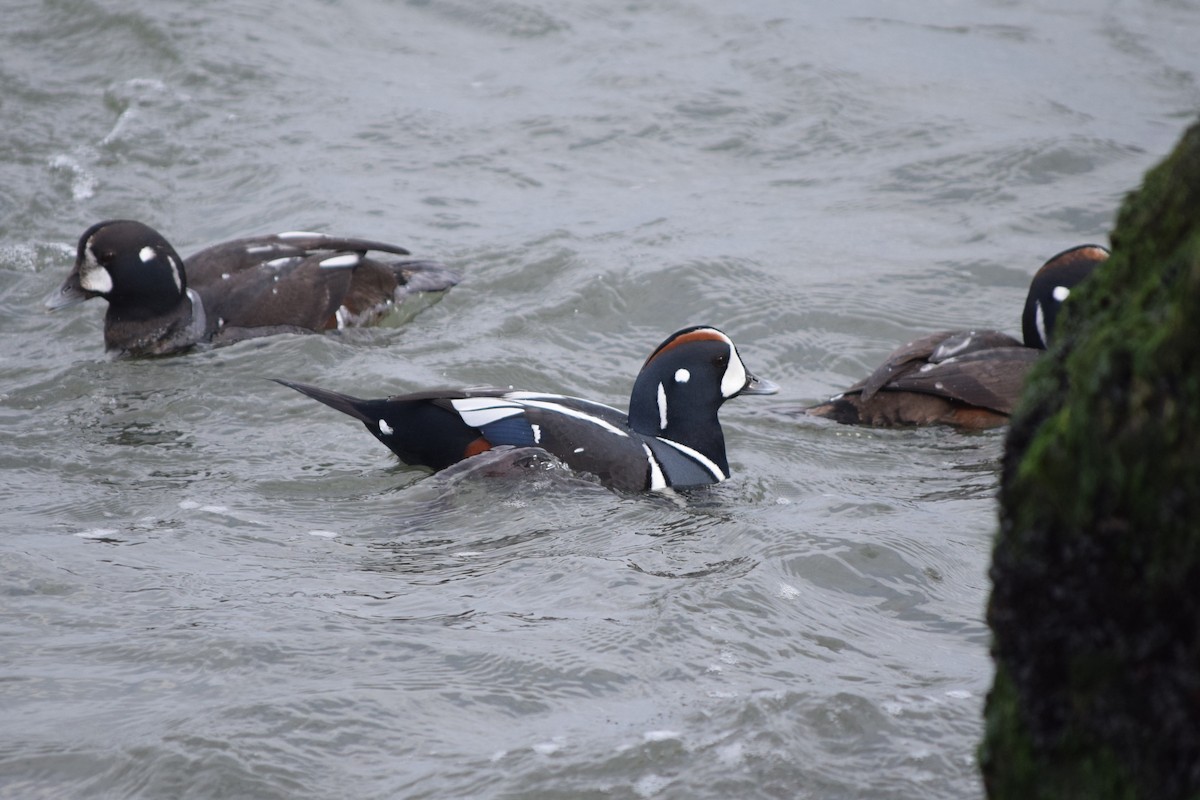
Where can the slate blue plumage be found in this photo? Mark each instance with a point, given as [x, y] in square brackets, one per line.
[671, 436]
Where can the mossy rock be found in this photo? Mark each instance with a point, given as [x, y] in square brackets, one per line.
[1095, 606]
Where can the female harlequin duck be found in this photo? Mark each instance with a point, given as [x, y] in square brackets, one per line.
[288, 282]
[969, 379]
[671, 436]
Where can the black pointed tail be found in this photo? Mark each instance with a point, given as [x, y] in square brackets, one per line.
[342, 402]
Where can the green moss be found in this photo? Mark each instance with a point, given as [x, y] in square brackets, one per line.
[1095, 606]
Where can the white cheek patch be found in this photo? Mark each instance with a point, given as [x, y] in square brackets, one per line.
[385, 429]
[1061, 293]
[734, 379]
[682, 375]
[95, 278]
[662, 408]
[92, 276]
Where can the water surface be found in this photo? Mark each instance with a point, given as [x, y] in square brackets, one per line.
[216, 588]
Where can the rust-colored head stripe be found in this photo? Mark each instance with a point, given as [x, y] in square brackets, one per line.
[703, 334]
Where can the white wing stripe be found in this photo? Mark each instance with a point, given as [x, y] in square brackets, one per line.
[480, 411]
[570, 412]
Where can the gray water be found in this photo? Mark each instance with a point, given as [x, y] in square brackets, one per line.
[215, 588]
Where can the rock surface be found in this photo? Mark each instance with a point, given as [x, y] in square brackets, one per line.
[1095, 608]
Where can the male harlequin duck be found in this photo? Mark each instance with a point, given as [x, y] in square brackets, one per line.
[968, 379]
[671, 436]
[293, 282]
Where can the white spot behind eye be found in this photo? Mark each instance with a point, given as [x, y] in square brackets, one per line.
[682, 375]
[147, 254]
[385, 429]
[662, 408]
[1061, 293]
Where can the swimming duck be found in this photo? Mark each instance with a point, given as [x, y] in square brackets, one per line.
[294, 282]
[968, 379]
[670, 437]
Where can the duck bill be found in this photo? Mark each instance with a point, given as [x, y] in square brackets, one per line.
[69, 294]
[756, 385]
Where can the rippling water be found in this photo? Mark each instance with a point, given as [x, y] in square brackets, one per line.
[215, 588]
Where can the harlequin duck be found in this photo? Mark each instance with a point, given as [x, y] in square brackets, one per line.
[294, 282]
[969, 379]
[671, 436]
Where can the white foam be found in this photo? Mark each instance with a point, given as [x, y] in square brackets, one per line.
[324, 534]
[98, 533]
[83, 182]
[651, 785]
[788, 592]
